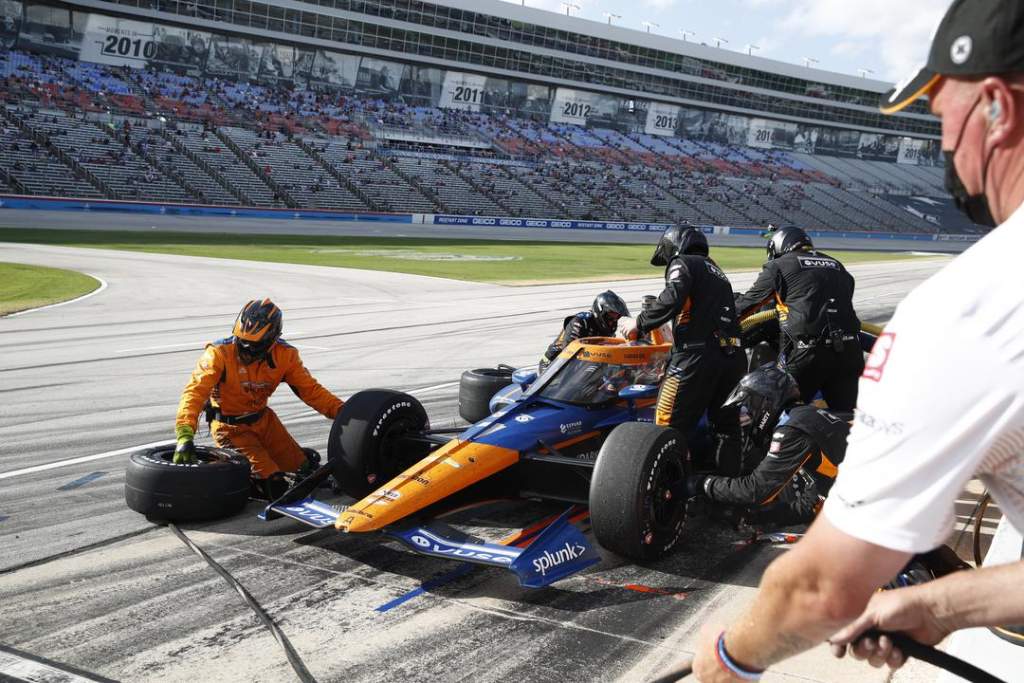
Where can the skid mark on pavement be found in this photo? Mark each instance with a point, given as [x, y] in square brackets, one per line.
[81, 481]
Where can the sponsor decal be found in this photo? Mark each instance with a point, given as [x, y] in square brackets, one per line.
[879, 425]
[812, 262]
[715, 270]
[423, 481]
[437, 546]
[385, 496]
[311, 515]
[874, 366]
[387, 414]
[451, 463]
[961, 50]
[589, 456]
[571, 427]
[775, 447]
[549, 560]
[524, 418]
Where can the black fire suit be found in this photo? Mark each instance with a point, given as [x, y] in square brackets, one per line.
[706, 361]
[792, 479]
[819, 341]
[579, 326]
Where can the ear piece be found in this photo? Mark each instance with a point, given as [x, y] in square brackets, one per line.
[995, 111]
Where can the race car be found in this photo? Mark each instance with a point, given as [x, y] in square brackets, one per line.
[581, 434]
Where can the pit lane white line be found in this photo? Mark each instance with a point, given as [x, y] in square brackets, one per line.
[21, 669]
[103, 285]
[193, 344]
[124, 451]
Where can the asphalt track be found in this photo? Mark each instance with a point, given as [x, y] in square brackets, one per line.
[89, 584]
[100, 220]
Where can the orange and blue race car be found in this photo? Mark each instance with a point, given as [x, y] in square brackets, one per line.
[582, 434]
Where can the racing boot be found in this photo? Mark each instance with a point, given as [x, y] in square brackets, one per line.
[307, 468]
[269, 489]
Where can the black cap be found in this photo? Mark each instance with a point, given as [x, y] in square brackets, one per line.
[975, 38]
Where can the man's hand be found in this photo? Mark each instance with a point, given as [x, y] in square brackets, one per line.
[905, 610]
[695, 485]
[185, 452]
[627, 329]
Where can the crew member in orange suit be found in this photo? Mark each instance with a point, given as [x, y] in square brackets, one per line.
[233, 380]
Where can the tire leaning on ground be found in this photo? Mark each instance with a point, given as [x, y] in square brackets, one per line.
[630, 513]
[217, 486]
[476, 387]
[366, 446]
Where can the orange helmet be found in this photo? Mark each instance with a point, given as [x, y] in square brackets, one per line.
[257, 327]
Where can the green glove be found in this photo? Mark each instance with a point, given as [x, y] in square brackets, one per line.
[185, 452]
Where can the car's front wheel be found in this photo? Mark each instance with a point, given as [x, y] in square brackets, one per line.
[632, 510]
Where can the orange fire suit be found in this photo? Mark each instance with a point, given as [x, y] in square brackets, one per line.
[241, 391]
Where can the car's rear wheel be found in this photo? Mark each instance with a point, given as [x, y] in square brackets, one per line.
[366, 444]
[476, 387]
[216, 486]
[632, 511]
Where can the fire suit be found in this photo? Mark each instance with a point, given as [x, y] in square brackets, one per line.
[579, 326]
[790, 483]
[238, 394]
[706, 361]
[819, 327]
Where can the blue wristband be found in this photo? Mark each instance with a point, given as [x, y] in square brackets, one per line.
[727, 662]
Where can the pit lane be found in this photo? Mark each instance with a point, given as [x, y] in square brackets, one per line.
[102, 590]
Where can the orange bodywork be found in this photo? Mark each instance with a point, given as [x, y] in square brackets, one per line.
[447, 470]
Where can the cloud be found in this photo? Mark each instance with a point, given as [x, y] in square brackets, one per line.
[899, 31]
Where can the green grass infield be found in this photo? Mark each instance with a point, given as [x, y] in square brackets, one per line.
[512, 262]
[23, 287]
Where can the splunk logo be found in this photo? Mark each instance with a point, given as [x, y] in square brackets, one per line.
[550, 560]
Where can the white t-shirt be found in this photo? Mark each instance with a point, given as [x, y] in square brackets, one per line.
[941, 400]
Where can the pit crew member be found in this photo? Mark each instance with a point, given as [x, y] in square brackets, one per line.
[795, 448]
[600, 321]
[934, 409]
[814, 296]
[707, 360]
[233, 380]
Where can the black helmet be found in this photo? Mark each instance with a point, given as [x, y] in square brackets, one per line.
[257, 327]
[679, 239]
[760, 398]
[608, 308]
[785, 240]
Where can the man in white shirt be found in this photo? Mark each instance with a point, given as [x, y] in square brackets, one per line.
[941, 398]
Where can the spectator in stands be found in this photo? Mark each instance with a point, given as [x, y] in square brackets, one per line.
[814, 297]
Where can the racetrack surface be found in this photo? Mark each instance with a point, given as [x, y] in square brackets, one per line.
[105, 374]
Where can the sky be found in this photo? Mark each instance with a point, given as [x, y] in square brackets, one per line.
[888, 37]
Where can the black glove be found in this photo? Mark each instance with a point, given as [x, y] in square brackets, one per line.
[695, 486]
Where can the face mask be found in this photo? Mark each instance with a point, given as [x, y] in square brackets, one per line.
[975, 207]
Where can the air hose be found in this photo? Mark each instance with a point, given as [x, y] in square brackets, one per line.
[301, 672]
[1011, 634]
[756, 319]
[910, 648]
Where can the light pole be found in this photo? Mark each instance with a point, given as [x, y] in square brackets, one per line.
[569, 6]
[610, 16]
[649, 24]
[808, 61]
[719, 41]
[864, 72]
[750, 48]
[685, 33]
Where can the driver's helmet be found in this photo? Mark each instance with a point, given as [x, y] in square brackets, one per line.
[257, 327]
[760, 398]
[607, 309]
[785, 240]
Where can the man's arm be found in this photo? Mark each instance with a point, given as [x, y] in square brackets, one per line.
[204, 378]
[805, 596]
[308, 389]
[671, 300]
[570, 333]
[759, 294]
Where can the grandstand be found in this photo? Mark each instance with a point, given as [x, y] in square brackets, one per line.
[176, 103]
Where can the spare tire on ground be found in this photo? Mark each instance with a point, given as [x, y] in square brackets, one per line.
[216, 486]
[476, 387]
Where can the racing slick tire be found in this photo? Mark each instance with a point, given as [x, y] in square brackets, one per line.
[365, 445]
[632, 512]
[217, 486]
[476, 387]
